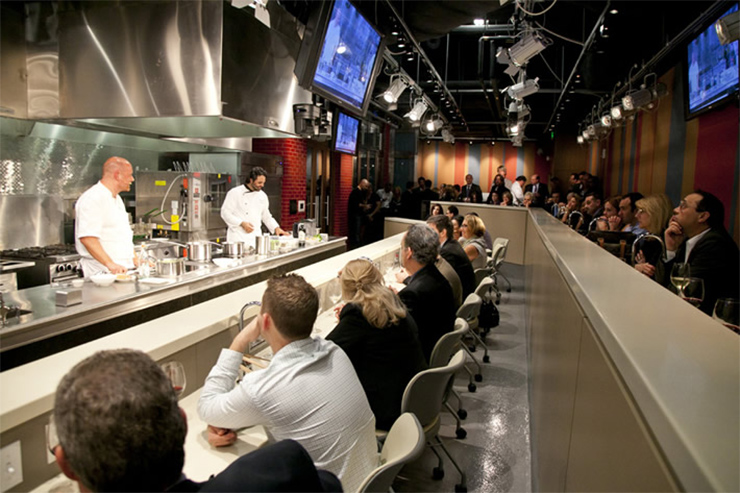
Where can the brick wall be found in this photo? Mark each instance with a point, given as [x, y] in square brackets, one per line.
[341, 186]
[293, 152]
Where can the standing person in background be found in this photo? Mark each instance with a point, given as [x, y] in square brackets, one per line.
[501, 171]
[470, 192]
[395, 208]
[103, 236]
[357, 209]
[517, 190]
[539, 191]
[246, 208]
[498, 188]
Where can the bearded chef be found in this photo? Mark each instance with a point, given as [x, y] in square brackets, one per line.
[246, 207]
[103, 237]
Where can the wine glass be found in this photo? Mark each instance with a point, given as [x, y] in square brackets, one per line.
[334, 291]
[175, 371]
[727, 312]
[680, 274]
[693, 291]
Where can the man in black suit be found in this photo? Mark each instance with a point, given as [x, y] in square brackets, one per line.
[120, 428]
[696, 234]
[539, 191]
[470, 192]
[427, 296]
[453, 253]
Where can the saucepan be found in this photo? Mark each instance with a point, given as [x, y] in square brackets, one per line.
[170, 267]
[200, 251]
[234, 249]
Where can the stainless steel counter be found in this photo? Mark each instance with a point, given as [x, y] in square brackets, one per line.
[13, 265]
[101, 304]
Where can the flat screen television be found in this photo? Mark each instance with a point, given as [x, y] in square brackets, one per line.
[346, 133]
[711, 71]
[340, 56]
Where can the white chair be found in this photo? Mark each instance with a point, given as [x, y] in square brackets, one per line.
[424, 396]
[404, 443]
[446, 347]
[469, 312]
[498, 259]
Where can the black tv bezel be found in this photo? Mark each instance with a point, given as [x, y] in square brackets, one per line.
[337, 114]
[727, 99]
[308, 59]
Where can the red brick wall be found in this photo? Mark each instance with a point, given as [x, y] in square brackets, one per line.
[293, 152]
[341, 186]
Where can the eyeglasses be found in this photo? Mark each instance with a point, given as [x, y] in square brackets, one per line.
[640, 211]
[683, 205]
[52, 440]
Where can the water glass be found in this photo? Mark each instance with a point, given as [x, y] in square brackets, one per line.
[727, 312]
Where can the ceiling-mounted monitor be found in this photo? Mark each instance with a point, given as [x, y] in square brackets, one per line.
[711, 71]
[346, 134]
[340, 56]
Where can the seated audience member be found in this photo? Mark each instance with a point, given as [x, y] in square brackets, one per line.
[472, 241]
[553, 204]
[627, 214]
[453, 253]
[653, 214]
[572, 206]
[593, 208]
[486, 235]
[457, 227]
[309, 393]
[119, 428]
[427, 295]
[517, 190]
[528, 197]
[539, 191]
[507, 199]
[379, 337]
[497, 188]
[436, 210]
[610, 220]
[452, 211]
[493, 199]
[696, 234]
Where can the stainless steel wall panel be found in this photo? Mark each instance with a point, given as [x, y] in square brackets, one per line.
[145, 59]
[13, 96]
[30, 220]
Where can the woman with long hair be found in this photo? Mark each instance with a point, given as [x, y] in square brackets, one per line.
[379, 337]
[653, 214]
[473, 242]
[456, 227]
[436, 210]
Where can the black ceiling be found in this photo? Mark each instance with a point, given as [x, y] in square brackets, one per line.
[634, 35]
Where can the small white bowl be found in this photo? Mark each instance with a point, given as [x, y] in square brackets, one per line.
[103, 280]
[78, 283]
[224, 262]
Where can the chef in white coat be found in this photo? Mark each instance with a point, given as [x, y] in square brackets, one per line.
[103, 236]
[246, 207]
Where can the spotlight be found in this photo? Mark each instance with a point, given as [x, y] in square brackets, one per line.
[479, 22]
[527, 47]
[617, 112]
[417, 111]
[728, 28]
[517, 141]
[433, 124]
[395, 90]
[644, 98]
[523, 89]
[447, 136]
[580, 139]
[585, 135]
[606, 120]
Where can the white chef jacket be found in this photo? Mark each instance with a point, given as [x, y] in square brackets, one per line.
[98, 213]
[242, 204]
[517, 193]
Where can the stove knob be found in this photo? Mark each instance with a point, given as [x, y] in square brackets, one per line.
[68, 267]
[60, 268]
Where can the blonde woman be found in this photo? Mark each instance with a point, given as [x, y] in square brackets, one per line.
[653, 214]
[379, 337]
[473, 241]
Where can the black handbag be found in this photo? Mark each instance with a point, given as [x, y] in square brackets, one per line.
[489, 315]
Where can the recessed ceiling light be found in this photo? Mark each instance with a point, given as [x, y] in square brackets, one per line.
[613, 11]
[479, 22]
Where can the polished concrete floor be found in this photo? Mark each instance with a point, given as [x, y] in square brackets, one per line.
[495, 455]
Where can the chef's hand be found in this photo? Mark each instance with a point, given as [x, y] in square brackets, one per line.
[220, 437]
[246, 226]
[114, 268]
[249, 334]
[281, 232]
[673, 236]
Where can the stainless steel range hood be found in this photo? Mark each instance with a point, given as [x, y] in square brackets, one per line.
[188, 70]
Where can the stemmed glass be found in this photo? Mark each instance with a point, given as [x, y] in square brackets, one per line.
[175, 371]
[693, 291]
[334, 291]
[727, 312]
[680, 274]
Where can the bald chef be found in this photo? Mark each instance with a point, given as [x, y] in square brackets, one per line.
[103, 237]
[246, 207]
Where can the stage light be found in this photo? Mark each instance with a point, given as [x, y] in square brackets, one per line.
[617, 112]
[523, 89]
[395, 90]
[417, 111]
[527, 47]
[580, 139]
[433, 124]
[728, 28]
[606, 120]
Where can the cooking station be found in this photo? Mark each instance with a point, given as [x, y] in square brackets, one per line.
[42, 265]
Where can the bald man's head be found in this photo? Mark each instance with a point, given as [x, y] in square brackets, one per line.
[364, 184]
[118, 174]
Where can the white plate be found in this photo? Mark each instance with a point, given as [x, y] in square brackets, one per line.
[155, 280]
[224, 262]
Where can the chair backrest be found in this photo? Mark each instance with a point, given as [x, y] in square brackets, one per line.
[484, 287]
[481, 274]
[470, 308]
[404, 443]
[500, 246]
[425, 392]
[448, 344]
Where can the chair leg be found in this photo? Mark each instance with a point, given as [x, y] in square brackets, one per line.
[462, 413]
[477, 376]
[459, 430]
[463, 481]
[478, 340]
[439, 471]
[508, 283]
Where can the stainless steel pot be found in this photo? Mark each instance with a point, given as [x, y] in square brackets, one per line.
[263, 245]
[170, 267]
[199, 251]
[234, 249]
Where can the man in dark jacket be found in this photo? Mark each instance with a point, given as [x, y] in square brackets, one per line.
[427, 296]
[696, 235]
[453, 253]
[470, 192]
